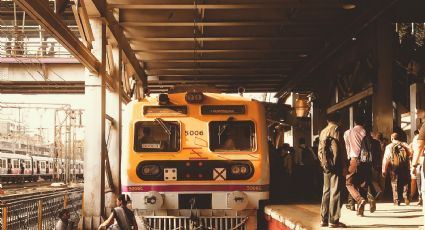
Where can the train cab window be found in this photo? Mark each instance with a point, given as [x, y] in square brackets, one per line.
[232, 136]
[157, 136]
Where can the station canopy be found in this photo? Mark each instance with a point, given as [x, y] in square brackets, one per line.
[257, 45]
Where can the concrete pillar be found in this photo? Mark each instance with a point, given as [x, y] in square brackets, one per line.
[114, 148]
[94, 151]
[382, 106]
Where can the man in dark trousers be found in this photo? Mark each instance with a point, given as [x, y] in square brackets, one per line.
[330, 140]
[420, 148]
[396, 161]
[353, 140]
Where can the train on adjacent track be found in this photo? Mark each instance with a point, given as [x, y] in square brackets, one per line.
[17, 168]
[196, 159]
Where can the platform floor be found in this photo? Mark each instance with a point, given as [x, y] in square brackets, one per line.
[387, 216]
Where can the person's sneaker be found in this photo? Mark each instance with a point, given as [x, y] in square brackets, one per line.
[324, 223]
[372, 206]
[337, 225]
[406, 201]
[419, 202]
[360, 209]
[396, 203]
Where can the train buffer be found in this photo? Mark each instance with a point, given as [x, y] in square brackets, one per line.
[307, 216]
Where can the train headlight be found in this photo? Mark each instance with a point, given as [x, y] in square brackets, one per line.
[237, 200]
[239, 169]
[153, 200]
[150, 170]
[194, 97]
[163, 99]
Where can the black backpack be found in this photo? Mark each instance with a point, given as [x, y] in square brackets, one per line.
[328, 154]
[366, 155]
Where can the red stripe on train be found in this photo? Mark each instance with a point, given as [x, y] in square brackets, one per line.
[190, 188]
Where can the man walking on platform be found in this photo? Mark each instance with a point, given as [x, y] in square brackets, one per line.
[420, 148]
[396, 159]
[353, 140]
[332, 156]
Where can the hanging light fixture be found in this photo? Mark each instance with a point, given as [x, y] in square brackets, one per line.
[348, 4]
[302, 105]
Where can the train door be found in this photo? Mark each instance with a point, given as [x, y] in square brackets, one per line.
[3, 166]
[9, 166]
[43, 167]
[27, 167]
[15, 166]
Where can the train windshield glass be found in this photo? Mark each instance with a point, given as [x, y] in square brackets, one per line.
[157, 136]
[232, 136]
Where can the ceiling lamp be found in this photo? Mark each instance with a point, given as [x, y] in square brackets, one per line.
[348, 4]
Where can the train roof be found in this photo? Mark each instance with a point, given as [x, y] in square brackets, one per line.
[179, 98]
[14, 156]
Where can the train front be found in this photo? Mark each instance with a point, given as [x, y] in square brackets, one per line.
[196, 161]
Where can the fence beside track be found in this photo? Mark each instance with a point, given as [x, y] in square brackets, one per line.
[40, 211]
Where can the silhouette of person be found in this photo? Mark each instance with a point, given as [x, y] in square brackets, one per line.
[147, 136]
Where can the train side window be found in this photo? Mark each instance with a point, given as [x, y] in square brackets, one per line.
[2, 163]
[157, 136]
[27, 164]
[232, 136]
[15, 164]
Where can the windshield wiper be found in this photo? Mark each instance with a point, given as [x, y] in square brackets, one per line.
[163, 125]
[221, 131]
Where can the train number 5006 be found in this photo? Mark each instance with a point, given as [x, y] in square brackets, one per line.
[193, 133]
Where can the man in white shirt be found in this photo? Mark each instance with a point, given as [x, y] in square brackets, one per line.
[353, 139]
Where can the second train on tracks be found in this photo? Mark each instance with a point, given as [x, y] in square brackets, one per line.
[16, 168]
[196, 161]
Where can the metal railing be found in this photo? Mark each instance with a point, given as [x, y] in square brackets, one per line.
[188, 223]
[40, 212]
[26, 48]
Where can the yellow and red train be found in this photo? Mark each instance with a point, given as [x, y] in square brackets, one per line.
[198, 159]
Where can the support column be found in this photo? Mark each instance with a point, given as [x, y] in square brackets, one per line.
[412, 110]
[94, 169]
[114, 147]
[382, 98]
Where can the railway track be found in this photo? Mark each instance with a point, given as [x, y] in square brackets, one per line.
[19, 192]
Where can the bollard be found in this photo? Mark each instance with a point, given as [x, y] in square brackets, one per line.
[65, 200]
[40, 215]
[4, 227]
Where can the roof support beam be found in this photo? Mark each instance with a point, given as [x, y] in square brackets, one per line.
[286, 50]
[222, 61]
[225, 24]
[209, 39]
[52, 23]
[114, 27]
[286, 5]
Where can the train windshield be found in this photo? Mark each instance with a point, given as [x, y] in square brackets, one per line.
[157, 136]
[232, 136]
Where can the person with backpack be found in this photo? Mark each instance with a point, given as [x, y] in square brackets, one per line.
[123, 216]
[332, 155]
[353, 143]
[397, 161]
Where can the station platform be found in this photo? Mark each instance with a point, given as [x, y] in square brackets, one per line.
[307, 216]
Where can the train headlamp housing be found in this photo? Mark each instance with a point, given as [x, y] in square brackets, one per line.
[150, 170]
[163, 99]
[194, 97]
